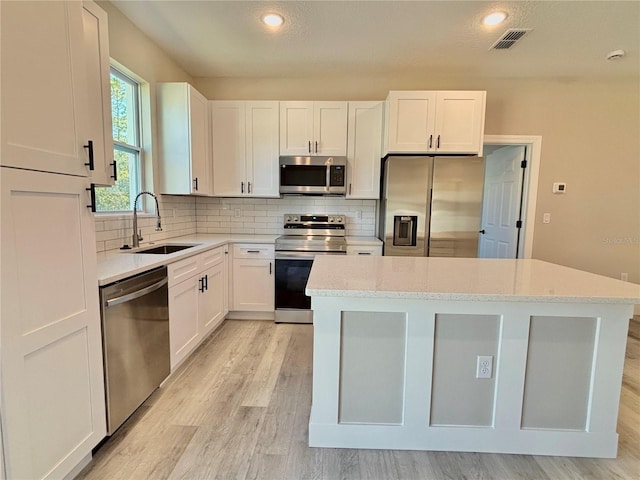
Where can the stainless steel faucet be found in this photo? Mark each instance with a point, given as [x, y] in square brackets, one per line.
[137, 234]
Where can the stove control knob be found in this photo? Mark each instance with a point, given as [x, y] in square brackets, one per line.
[331, 219]
[339, 219]
[288, 219]
[295, 218]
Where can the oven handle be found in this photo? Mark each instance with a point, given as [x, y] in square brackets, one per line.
[304, 255]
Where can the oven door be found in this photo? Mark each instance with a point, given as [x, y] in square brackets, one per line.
[292, 273]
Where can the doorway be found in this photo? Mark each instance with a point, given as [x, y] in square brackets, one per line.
[510, 190]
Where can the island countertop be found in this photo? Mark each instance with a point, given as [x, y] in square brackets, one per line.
[463, 279]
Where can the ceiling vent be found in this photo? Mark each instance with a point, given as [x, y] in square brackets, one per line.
[509, 38]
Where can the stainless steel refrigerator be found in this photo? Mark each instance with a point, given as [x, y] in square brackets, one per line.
[431, 206]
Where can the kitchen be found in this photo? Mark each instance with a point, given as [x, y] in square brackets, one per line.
[543, 106]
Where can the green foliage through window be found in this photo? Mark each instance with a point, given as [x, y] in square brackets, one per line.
[126, 136]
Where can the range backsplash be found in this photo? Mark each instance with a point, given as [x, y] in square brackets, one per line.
[186, 215]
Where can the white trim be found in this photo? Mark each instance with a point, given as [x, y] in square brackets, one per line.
[530, 187]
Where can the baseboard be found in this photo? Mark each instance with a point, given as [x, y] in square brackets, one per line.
[251, 315]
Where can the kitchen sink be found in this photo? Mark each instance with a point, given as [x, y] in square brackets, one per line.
[164, 249]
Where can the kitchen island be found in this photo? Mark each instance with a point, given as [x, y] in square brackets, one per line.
[479, 355]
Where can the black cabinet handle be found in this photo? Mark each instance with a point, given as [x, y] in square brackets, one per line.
[89, 145]
[309, 146]
[349, 189]
[115, 171]
[438, 142]
[248, 187]
[316, 146]
[92, 195]
[482, 231]
[270, 268]
[241, 187]
[195, 181]
[206, 282]
[430, 141]
[201, 287]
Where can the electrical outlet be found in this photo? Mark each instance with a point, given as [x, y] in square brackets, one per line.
[236, 212]
[624, 276]
[358, 214]
[484, 366]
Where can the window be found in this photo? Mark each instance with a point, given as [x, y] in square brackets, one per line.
[125, 113]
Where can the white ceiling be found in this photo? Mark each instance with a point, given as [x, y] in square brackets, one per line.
[322, 38]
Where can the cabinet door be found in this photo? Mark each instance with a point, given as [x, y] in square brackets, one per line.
[96, 49]
[53, 410]
[253, 285]
[296, 128]
[262, 148]
[44, 96]
[411, 122]
[211, 301]
[329, 128]
[364, 150]
[367, 250]
[460, 122]
[228, 145]
[183, 315]
[199, 130]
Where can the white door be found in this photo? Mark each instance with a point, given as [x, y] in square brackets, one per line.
[199, 130]
[53, 406]
[44, 96]
[330, 128]
[364, 150]
[99, 122]
[228, 148]
[501, 202]
[459, 122]
[296, 128]
[262, 148]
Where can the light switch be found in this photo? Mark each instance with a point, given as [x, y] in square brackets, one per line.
[546, 218]
[559, 187]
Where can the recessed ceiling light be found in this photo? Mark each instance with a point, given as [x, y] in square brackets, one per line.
[273, 20]
[494, 18]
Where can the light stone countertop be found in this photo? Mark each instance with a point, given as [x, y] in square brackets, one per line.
[355, 240]
[463, 279]
[119, 264]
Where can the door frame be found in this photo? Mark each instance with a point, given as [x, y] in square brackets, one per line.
[533, 144]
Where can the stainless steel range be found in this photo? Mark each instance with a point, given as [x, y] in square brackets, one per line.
[307, 236]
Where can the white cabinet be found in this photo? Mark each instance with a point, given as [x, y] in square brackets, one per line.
[44, 95]
[365, 249]
[99, 121]
[53, 410]
[253, 278]
[445, 122]
[313, 128]
[364, 149]
[197, 291]
[184, 140]
[244, 139]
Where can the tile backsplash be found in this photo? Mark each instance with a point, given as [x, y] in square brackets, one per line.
[185, 215]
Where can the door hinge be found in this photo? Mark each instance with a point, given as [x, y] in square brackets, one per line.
[519, 224]
[523, 164]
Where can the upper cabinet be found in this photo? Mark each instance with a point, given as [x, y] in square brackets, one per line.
[96, 47]
[44, 88]
[184, 140]
[364, 150]
[244, 138]
[313, 128]
[443, 122]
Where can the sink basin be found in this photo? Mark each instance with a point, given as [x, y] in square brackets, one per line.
[164, 249]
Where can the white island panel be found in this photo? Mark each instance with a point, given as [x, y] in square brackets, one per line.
[516, 295]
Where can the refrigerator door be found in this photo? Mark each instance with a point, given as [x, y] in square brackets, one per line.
[405, 205]
[456, 206]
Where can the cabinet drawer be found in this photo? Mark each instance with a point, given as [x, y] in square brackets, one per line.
[183, 269]
[364, 250]
[246, 250]
[213, 257]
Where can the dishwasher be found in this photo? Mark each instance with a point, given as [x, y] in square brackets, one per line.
[135, 341]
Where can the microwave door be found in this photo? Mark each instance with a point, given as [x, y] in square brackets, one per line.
[303, 178]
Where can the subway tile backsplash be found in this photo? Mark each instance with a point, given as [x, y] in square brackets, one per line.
[185, 215]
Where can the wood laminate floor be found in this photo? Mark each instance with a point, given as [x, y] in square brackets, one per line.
[239, 409]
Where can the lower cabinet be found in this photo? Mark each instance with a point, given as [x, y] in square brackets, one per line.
[197, 293]
[253, 278]
[375, 250]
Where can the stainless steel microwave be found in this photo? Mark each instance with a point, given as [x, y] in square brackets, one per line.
[313, 175]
